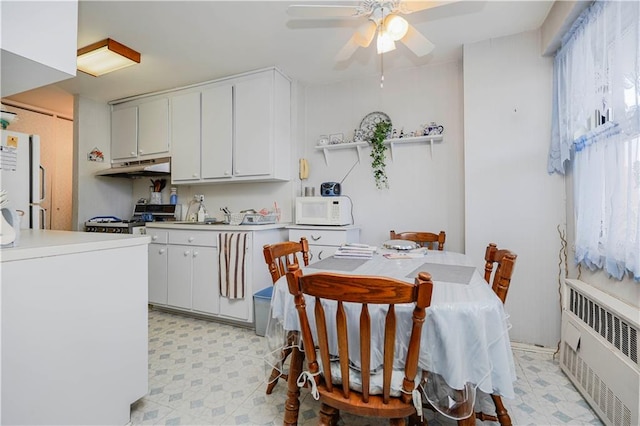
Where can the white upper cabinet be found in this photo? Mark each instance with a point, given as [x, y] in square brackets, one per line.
[244, 130]
[124, 133]
[254, 126]
[217, 132]
[140, 130]
[185, 134]
[39, 44]
[153, 127]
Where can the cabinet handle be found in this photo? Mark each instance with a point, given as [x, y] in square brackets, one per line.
[320, 254]
[195, 254]
[191, 239]
[161, 251]
[195, 175]
[186, 253]
[140, 152]
[226, 173]
[316, 238]
[310, 256]
[133, 153]
[153, 238]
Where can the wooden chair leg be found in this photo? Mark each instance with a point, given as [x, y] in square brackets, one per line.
[415, 420]
[292, 405]
[329, 416]
[276, 374]
[501, 411]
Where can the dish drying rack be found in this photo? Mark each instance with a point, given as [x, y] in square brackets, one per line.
[252, 218]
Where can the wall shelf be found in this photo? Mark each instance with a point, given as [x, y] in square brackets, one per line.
[326, 148]
[391, 142]
[416, 139]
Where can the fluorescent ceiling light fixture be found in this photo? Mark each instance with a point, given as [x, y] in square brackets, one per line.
[106, 56]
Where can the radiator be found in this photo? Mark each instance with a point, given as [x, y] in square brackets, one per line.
[599, 352]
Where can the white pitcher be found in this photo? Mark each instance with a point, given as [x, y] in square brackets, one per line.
[9, 228]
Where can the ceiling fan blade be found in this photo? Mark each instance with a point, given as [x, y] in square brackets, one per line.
[347, 50]
[410, 6]
[417, 43]
[365, 33]
[321, 11]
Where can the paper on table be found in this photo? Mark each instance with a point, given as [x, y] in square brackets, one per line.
[337, 264]
[449, 273]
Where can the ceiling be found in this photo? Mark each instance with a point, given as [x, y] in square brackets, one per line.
[186, 42]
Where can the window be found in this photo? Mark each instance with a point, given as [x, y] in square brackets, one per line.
[596, 129]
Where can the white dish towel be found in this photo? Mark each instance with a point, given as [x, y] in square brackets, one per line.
[231, 255]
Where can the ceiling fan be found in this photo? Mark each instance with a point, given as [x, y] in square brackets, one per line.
[382, 17]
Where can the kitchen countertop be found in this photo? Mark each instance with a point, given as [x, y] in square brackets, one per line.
[43, 243]
[196, 226]
[323, 227]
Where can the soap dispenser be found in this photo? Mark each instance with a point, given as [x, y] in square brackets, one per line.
[201, 213]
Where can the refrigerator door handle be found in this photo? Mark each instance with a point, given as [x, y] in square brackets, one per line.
[43, 183]
[43, 218]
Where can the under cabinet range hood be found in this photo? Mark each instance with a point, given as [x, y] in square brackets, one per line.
[142, 168]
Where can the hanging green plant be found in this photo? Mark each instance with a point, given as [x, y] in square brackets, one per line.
[378, 158]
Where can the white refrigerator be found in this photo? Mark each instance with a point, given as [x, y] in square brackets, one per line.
[23, 178]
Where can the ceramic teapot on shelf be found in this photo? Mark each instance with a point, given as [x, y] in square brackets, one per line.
[433, 129]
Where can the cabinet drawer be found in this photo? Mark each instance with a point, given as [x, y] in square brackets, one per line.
[158, 236]
[194, 238]
[325, 237]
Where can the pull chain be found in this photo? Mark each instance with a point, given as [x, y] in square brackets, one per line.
[382, 70]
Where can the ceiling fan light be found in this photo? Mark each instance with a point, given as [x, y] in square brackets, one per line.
[385, 43]
[396, 26]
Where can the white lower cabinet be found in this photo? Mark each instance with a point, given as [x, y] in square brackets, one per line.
[192, 278]
[158, 266]
[323, 240]
[188, 280]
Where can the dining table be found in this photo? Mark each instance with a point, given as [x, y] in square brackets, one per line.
[465, 337]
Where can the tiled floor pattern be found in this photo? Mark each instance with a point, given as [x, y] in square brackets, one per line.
[207, 373]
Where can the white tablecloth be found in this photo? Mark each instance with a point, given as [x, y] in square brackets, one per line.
[465, 336]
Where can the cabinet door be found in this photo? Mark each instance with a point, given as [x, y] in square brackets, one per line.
[124, 133]
[253, 109]
[205, 280]
[217, 132]
[153, 122]
[179, 272]
[158, 274]
[185, 137]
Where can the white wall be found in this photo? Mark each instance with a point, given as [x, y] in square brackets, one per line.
[426, 191]
[510, 199]
[93, 196]
[38, 43]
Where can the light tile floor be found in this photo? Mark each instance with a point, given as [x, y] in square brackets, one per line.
[207, 373]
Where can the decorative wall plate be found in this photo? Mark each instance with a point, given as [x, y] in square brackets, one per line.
[368, 123]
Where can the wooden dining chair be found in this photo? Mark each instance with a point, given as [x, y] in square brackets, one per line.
[279, 258]
[504, 261]
[425, 239]
[379, 393]
[500, 263]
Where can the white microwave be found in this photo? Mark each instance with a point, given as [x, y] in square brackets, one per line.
[323, 211]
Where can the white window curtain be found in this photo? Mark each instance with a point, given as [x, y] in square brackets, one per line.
[596, 123]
